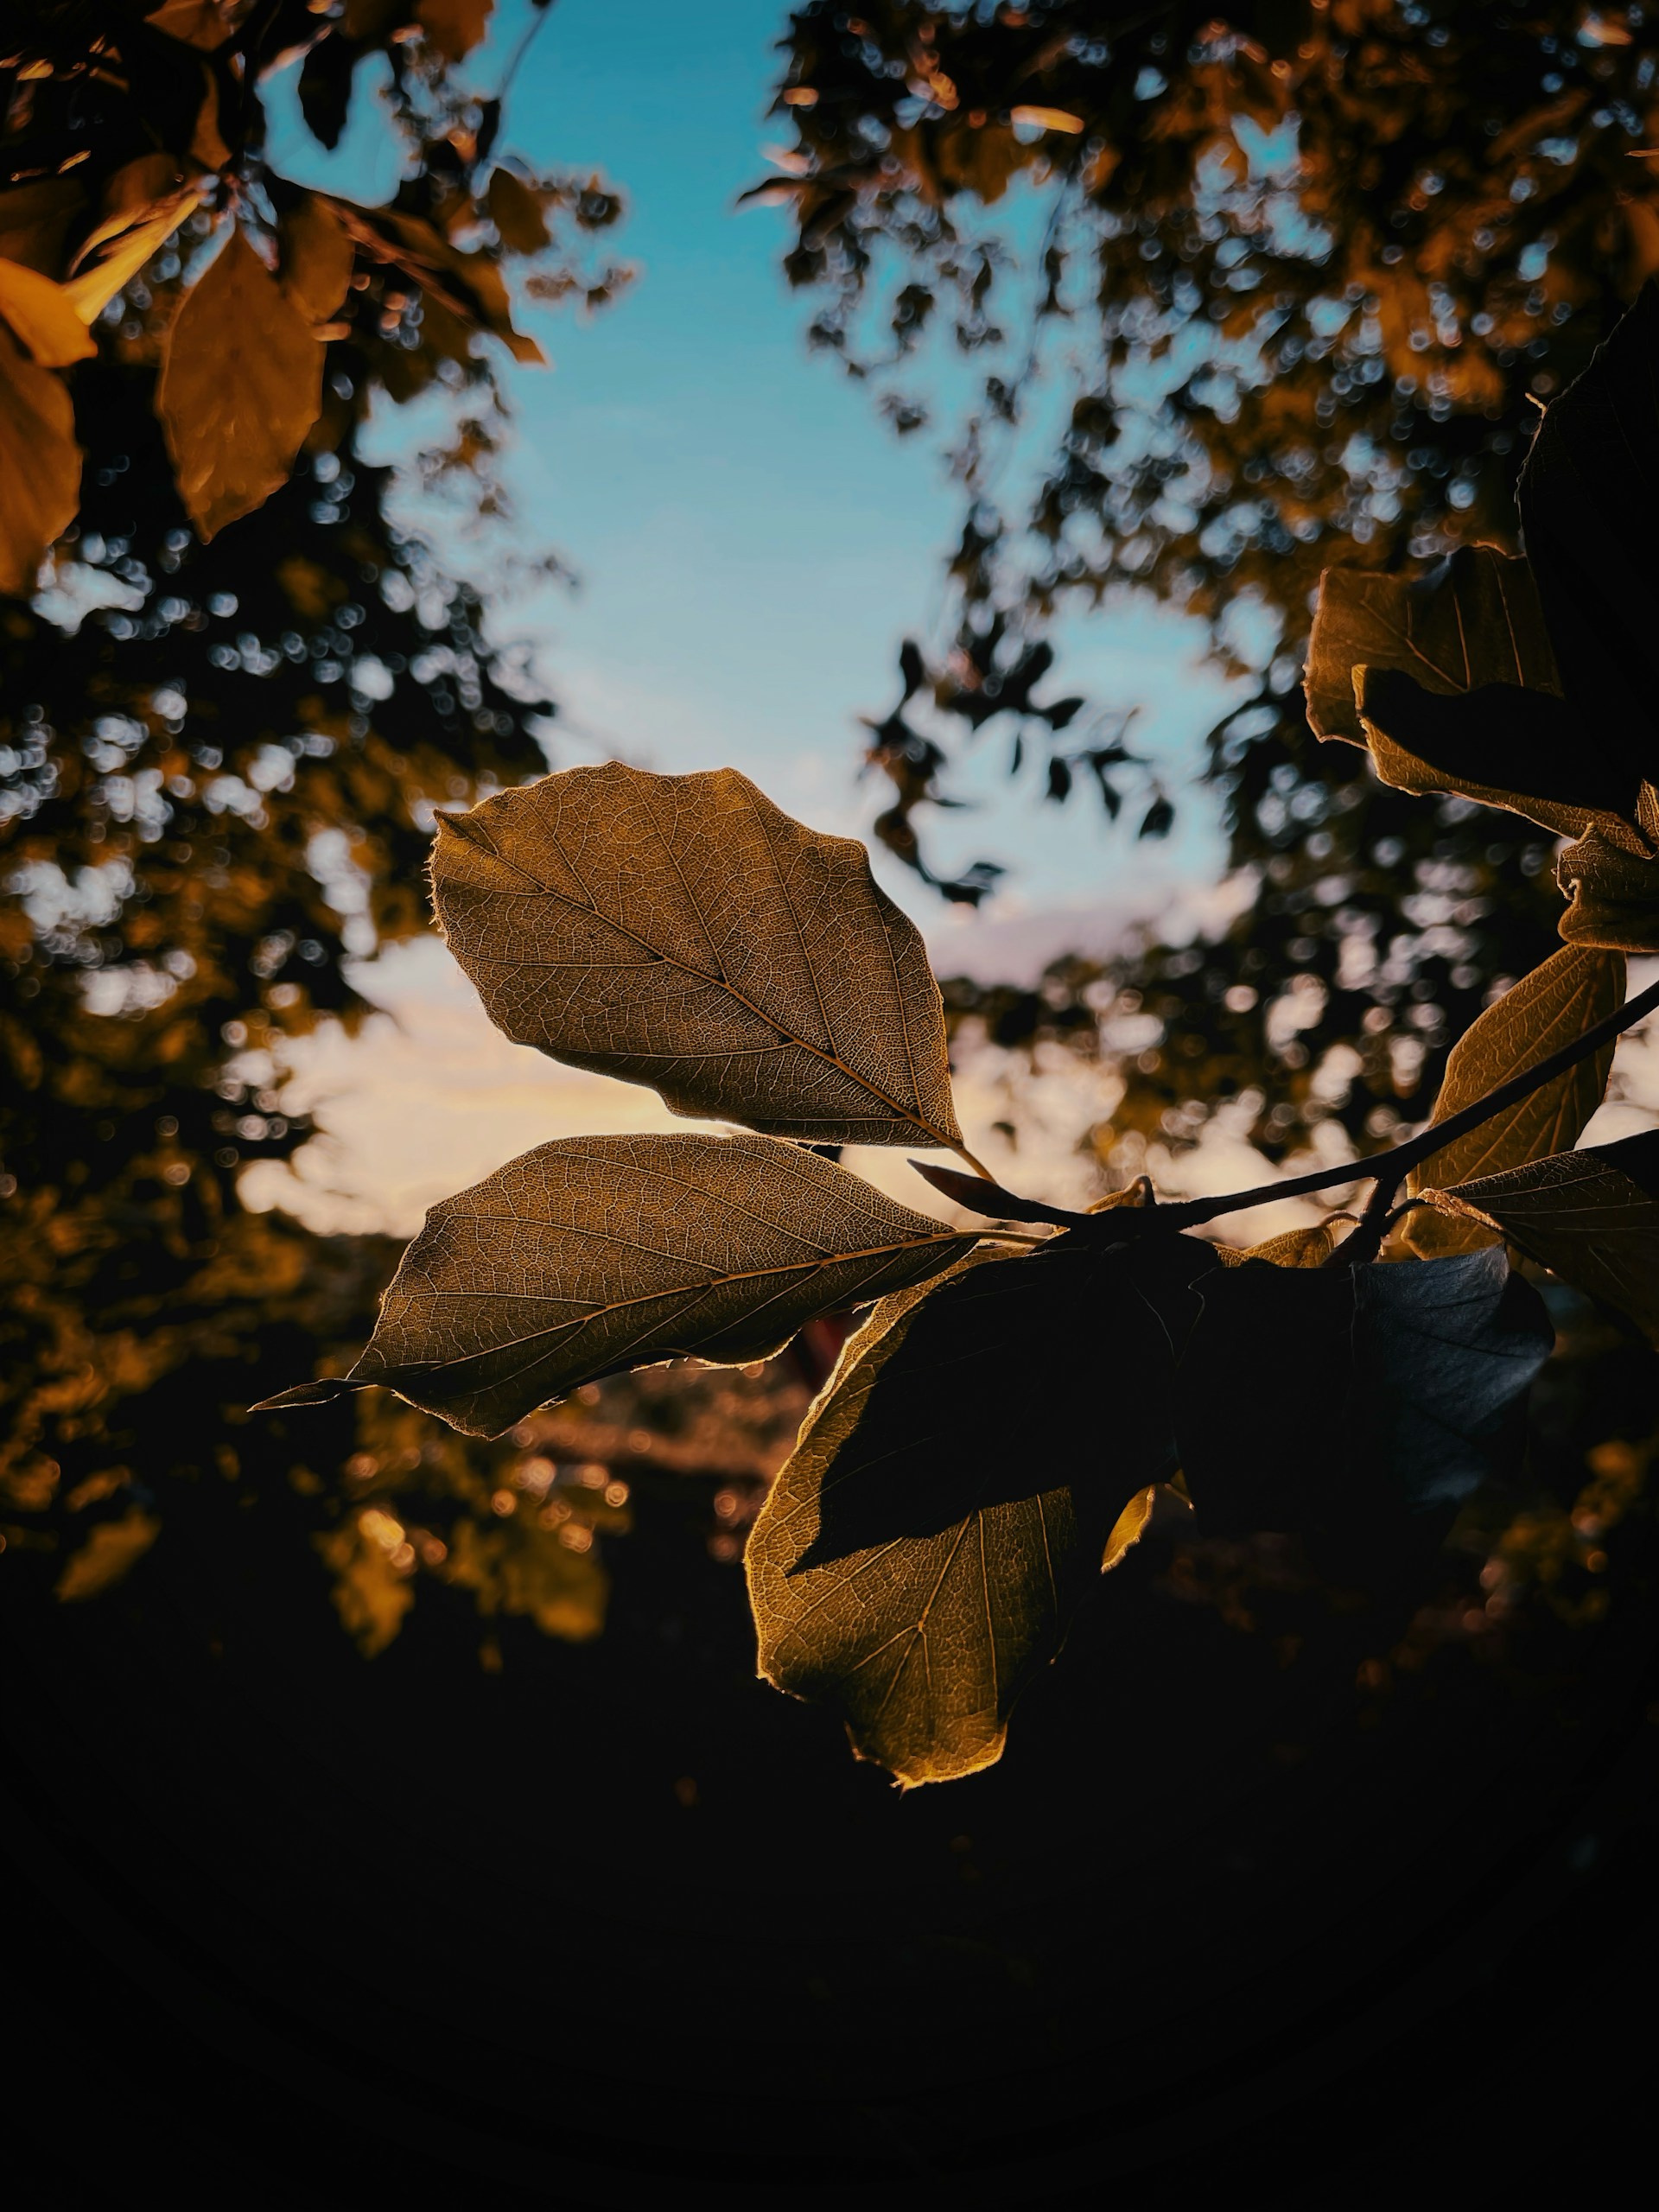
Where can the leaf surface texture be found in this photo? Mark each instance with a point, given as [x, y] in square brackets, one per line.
[920, 1554]
[683, 932]
[592, 1254]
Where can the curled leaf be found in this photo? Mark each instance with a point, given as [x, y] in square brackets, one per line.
[1573, 989]
[683, 932]
[921, 1553]
[596, 1254]
[1448, 679]
[1612, 894]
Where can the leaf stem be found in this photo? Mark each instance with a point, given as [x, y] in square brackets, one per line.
[978, 1166]
[1387, 1170]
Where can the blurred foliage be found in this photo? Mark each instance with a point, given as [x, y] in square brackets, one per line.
[1238, 296]
[219, 767]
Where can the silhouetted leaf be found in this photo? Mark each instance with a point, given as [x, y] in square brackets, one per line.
[44, 317]
[240, 387]
[1591, 1216]
[1551, 1008]
[325, 87]
[1444, 1350]
[1309, 1396]
[1587, 508]
[40, 466]
[683, 932]
[596, 1254]
[920, 1554]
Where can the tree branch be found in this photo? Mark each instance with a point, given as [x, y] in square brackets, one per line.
[1387, 1170]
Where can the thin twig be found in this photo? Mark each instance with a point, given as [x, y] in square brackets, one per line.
[1390, 1169]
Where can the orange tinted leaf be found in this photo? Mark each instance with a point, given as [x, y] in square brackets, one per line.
[315, 270]
[42, 314]
[454, 27]
[40, 466]
[240, 387]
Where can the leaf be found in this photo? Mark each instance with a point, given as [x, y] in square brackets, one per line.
[1445, 1350]
[517, 212]
[1612, 894]
[43, 317]
[1550, 1009]
[127, 238]
[1587, 511]
[241, 383]
[1448, 679]
[682, 932]
[454, 27]
[592, 1254]
[469, 285]
[919, 1555]
[1295, 1248]
[1593, 1217]
[1312, 1398]
[40, 466]
[317, 257]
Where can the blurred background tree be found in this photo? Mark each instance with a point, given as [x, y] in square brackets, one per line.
[228, 716]
[1201, 304]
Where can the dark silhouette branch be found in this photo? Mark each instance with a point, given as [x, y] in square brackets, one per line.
[1387, 1171]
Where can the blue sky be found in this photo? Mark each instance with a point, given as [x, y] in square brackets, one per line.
[753, 543]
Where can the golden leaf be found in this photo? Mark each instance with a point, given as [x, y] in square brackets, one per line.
[593, 1254]
[919, 1555]
[43, 317]
[315, 270]
[1573, 989]
[133, 228]
[40, 466]
[1294, 1248]
[683, 932]
[240, 387]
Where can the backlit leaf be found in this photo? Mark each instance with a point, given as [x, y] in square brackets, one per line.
[43, 317]
[920, 1554]
[1294, 1248]
[317, 256]
[1448, 678]
[240, 387]
[1612, 894]
[596, 1254]
[1573, 989]
[40, 466]
[1308, 1398]
[1591, 1215]
[682, 932]
[130, 234]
